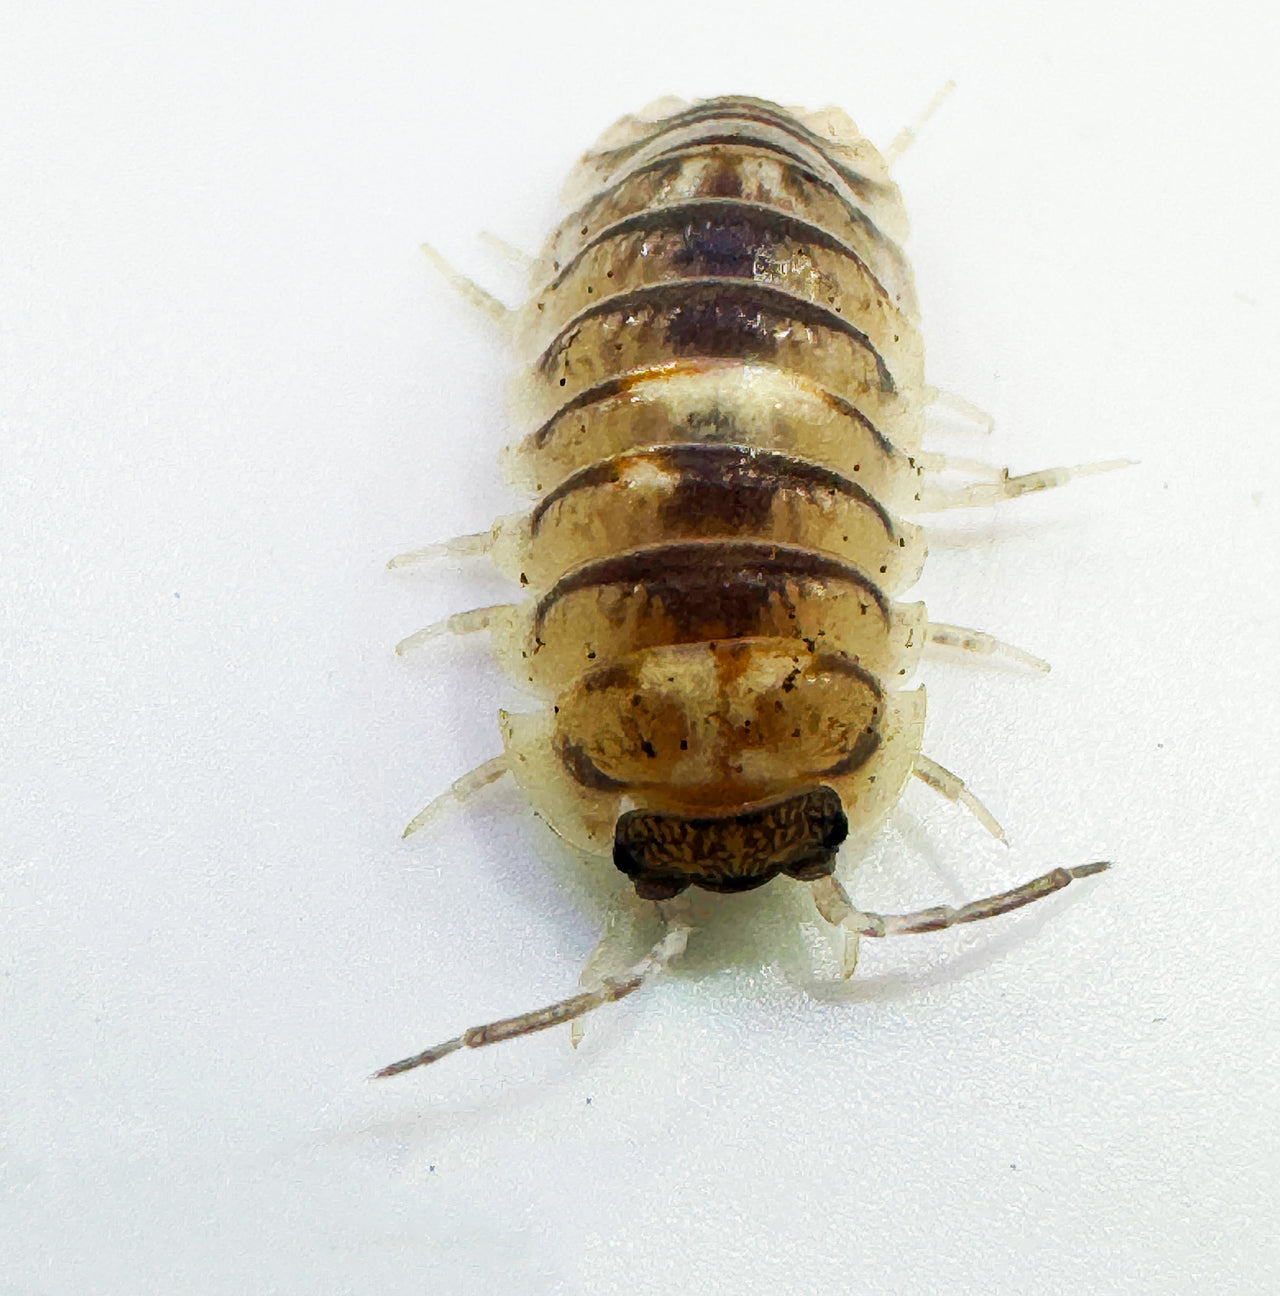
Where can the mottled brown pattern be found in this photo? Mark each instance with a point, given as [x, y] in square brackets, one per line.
[764, 172]
[713, 589]
[618, 386]
[584, 769]
[721, 237]
[736, 851]
[755, 112]
[698, 726]
[727, 182]
[730, 486]
[709, 317]
[720, 490]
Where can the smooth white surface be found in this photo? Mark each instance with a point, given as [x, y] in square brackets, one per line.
[230, 388]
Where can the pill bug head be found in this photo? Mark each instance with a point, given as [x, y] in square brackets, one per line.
[663, 852]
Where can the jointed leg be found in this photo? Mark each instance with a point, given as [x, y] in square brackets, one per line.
[965, 409]
[475, 545]
[610, 949]
[663, 954]
[461, 623]
[517, 256]
[904, 139]
[934, 498]
[468, 288]
[933, 462]
[952, 787]
[978, 641]
[850, 948]
[459, 791]
[835, 906]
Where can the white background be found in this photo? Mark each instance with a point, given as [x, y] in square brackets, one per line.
[231, 387]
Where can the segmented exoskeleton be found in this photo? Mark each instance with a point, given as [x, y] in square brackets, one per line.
[726, 401]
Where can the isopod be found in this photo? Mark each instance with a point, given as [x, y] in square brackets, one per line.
[726, 404]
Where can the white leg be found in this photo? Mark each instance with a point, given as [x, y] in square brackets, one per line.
[904, 139]
[965, 409]
[475, 545]
[941, 463]
[459, 791]
[934, 498]
[985, 645]
[835, 906]
[659, 958]
[517, 256]
[952, 787]
[851, 946]
[612, 947]
[483, 301]
[461, 623]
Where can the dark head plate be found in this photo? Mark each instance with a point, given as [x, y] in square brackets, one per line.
[663, 853]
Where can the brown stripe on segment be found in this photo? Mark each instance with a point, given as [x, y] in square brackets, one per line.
[859, 189]
[836, 663]
[723, 243]
[867, 745]
[849, 410]
[734, 484]
[732, 316]
[761, 113]
[620, 383]
[794, 162]
[869, 739]
[729, 582]
[593, 395]
[582, 768]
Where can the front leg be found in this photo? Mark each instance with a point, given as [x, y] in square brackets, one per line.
[835, 906]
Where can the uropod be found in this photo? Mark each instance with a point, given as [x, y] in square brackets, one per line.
[725, 406]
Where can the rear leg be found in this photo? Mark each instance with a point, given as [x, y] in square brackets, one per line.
[480, 298]
[611, 988]
[908, 135]
[516, 256]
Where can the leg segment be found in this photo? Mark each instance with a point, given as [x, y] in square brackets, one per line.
[835, 906]
[934, 498]
[475, 545]
[626, 908]
[460, 791]
[985, 645]
[933, 462]
[483, 301]
[906, 137]
[461, 623]
[962, 408]
[849, 951]
[517, 256]
[952, 787]
[663, 954]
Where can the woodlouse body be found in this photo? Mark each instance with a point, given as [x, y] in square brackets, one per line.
[727, 402]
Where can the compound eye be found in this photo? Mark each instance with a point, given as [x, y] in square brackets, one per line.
[836, 829]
